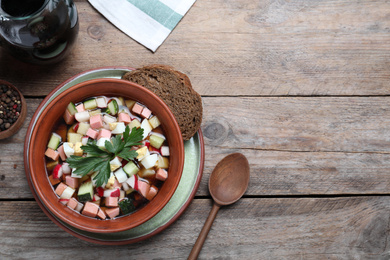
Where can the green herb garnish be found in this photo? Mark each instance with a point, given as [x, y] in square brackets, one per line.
[98, 159]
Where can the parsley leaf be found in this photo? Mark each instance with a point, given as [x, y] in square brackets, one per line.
[98, 159]
[133, 138]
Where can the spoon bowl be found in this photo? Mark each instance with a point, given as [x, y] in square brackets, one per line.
[229, 179]
[228, 182]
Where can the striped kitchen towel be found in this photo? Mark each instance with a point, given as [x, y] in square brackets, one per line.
[149, 22]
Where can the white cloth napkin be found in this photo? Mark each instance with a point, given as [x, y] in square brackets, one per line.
[149, 22]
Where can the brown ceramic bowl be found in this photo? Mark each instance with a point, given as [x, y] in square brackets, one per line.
[54, 111]
[22, 116]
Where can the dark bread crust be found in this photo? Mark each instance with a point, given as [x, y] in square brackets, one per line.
[176, 90]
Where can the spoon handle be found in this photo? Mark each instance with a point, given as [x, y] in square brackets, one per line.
[203, 234]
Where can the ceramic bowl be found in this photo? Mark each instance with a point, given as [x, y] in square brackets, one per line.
[22, 116]
[52, 114]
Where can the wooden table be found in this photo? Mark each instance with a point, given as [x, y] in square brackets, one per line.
[300, 87]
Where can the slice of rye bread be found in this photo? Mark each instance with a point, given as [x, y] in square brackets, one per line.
[175, 89]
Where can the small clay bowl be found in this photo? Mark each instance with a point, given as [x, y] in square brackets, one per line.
[22, 115]
[54, 111]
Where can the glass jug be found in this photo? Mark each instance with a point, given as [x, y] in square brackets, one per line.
[38, 31]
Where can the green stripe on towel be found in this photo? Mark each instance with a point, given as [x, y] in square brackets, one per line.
[159, 12]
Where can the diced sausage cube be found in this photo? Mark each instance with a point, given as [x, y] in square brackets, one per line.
[53, 181]
[92, 133]
[152, 193]
[101, 214]
[111, 201]
[72, 203]
[69, 119]
[52, 154]
[61, 152]
[161, 174]
[96, 121]
[146, 112]
[143, 188]
[112, 212]
[104, 133]
[90, 209]
[137, 108]
[72, 182]
[80, 108]
[123, 117]
[60, 188]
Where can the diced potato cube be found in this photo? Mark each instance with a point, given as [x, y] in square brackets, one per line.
[74, 137]
[154, 122]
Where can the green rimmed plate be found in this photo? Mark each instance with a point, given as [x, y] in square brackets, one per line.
[192, 174]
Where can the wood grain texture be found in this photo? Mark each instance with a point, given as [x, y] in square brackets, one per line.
[242, 47]
[307, 228]
[295, 146]
[301, 88]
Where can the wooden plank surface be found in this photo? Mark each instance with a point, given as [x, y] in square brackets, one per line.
[299, 87]
[242, 48]
[295, 146]
[283, 228]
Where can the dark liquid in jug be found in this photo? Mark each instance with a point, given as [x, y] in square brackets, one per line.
[21, 8]
[48, 37]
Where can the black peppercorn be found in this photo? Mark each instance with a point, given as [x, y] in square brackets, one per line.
[10, 106]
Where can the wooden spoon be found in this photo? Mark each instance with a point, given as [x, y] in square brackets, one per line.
[228, 182]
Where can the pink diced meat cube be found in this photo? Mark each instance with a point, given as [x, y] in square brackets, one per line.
[96, 121]
[161, 174]
[92, 133]
[113, 212]
[69, 119]
[60, 150]
[146, 112]
[101, 214]
[72, 203]
[152, 193]
[80, 108]
[60, 188]
[72, 182]
[111, 201]
[90, 209]
[123, 117]
[143, 188]
[104, 133]
[137, 108]
[52, 154]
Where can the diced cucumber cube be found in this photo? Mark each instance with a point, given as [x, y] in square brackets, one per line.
[126, 206]
[90, 104]
[83, 128]
[112, 107]
[72, 108]
[156, 140]
[130, 168]
[55, 140]
[85, 192]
